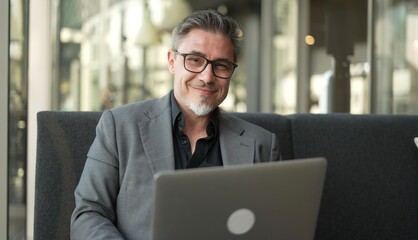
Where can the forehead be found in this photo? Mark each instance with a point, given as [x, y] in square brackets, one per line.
[210, 44]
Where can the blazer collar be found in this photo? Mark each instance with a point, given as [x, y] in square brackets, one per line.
[156, 135]
[236, 146]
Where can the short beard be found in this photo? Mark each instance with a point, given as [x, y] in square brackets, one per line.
[200, 109]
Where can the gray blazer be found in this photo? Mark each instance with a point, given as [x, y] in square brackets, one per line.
[133, 142]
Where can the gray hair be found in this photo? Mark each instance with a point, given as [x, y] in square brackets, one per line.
[211, 21]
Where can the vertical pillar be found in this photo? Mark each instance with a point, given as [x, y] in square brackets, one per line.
[266, 69]
[39, 91]
[4, 113]
[339, 43]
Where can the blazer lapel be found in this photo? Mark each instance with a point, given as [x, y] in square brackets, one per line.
[236, 147]
[157, 139]
[156, 136]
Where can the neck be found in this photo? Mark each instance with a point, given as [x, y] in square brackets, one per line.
[195, 124]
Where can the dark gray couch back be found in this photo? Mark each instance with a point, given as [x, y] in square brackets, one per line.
[371, 190]
[63, 142]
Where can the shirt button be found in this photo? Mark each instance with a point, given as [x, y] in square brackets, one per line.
[184, 141]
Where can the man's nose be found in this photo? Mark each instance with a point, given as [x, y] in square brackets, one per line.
[207, 74]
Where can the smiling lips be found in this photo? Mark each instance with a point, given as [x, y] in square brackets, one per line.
[205, 89]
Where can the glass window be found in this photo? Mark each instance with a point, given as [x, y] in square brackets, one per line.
[285, 56]
[307, 56]
[395, 57]
[4, 113]
[338, 64]
[18, 106]
[115, 54]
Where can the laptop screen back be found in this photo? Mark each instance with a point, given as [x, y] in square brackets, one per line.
[278, 200]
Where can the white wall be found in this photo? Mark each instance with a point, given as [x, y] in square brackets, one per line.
[39, 89]
[4, 113]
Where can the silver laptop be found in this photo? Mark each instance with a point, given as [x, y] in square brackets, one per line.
[278, 200]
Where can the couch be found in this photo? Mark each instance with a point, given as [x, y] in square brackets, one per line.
[371, 189]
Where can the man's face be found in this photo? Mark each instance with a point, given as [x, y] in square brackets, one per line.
[200, 93]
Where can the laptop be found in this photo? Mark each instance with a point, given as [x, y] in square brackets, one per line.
[277, 200]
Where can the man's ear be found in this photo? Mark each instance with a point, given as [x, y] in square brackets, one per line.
[170, 58]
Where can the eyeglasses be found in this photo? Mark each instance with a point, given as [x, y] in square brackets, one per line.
[196, 64]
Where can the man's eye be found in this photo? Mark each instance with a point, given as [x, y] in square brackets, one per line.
[223, 65]
[194, 59]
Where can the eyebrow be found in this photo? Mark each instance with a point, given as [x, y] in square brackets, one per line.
[204, 55]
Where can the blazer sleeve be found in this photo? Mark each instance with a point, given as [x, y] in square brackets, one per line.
[94, 216]
[275, 149]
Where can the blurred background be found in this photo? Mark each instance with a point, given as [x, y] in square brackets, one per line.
[298, 56]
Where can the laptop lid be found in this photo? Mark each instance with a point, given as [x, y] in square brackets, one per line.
[277, 200]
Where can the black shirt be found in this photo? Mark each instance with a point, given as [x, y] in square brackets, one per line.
[207, 152]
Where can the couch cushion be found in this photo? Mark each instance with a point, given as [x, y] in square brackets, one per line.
[371, 190]
[63, 141]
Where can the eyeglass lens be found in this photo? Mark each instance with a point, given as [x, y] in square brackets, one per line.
[195, 63]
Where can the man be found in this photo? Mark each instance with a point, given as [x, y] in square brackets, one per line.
[184, 129]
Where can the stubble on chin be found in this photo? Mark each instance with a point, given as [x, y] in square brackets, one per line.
[200, 109]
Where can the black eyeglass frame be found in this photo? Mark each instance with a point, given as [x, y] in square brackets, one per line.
[184, 55]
